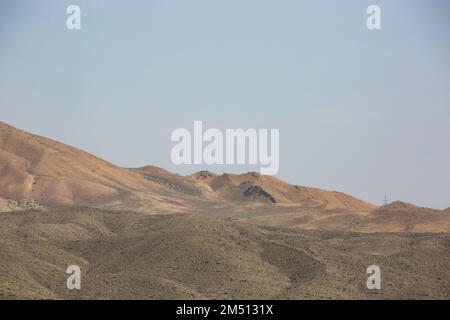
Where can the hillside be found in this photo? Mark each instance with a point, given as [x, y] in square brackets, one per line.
[391, 218]
[256, 188]
[41, 173]
[37, 171]
[125, 255]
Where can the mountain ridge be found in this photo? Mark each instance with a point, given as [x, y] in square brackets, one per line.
[39, 173]
[58, 175]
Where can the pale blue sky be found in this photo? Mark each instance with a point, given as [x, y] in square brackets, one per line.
[362, 112]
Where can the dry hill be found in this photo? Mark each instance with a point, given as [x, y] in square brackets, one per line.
[188, 256]
[41, 173]
[36, 171]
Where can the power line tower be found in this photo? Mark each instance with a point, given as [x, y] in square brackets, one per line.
[385, 201]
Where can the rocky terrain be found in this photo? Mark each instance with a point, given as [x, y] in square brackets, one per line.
[124, 255]
[147, 233]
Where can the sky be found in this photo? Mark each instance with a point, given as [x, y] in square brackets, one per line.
[362, 112]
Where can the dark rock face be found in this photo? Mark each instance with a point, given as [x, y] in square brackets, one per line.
[205, 175]
[257, 190]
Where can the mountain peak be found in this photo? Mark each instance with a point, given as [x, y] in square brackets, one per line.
[203, 175]
[41, 170]
[58, 175]
[398, 205]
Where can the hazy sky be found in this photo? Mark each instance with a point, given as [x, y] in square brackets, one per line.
[363, 112]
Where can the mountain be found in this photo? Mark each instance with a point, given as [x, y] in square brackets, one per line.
[173, 181]
[401, 216]
[397, 205]
[147, 233]
[394, 217]
[254, 187]
[41, 173]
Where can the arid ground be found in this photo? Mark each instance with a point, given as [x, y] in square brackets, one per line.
[147, 233]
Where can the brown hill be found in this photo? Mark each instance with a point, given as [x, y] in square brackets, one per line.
[44, 172]
[403, 216]
[202, 175]
[254, 187]
[38, 172]
[397, 205]
[169, 179]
